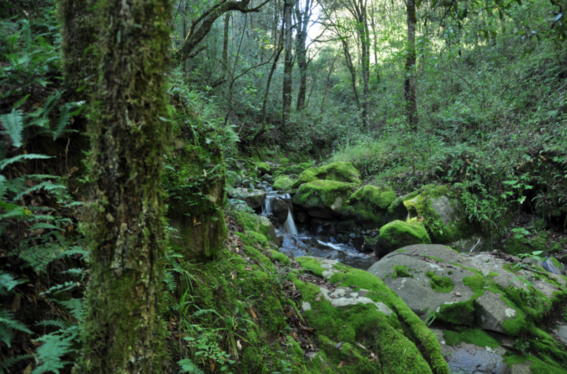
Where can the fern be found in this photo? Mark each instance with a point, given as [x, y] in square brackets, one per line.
[8, 282]
[48, 186]
[7, 323]
[18, 158]
[14, 124]
[54, 347]
[62, 122]
[52, 323]
[7, 363]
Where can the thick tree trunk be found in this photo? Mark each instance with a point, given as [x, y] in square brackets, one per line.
[79, 34]
[301, 51]
[409, 83]
[288, 62]
[365, 47]
[122, 332]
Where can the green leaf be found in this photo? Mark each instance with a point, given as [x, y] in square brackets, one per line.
[14, 124]
[18, 158]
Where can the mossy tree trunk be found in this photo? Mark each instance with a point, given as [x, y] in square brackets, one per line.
[123, 332]
[410, 81]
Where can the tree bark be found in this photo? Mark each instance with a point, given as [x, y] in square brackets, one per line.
[288, 62]
[123, 332]
[352, 70]
[302, 16]
[409, 83]
[79, 34]
[225, 39]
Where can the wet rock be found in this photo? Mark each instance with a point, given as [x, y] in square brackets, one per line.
[562, 333]
[279, 209]
[364, 244]
[301, 217]
[472, 359]
[494, 312]
[254, 198]
[323, 199]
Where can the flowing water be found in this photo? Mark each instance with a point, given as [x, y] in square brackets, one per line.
[304, 242]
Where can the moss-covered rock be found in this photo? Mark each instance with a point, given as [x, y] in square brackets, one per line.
[364, 315]
[398, 234]
[368, 206]
[263, 168]
[307, 176]
[284, 162]
[296, 169]
[439, 209]
[341, 172]
[322, 198]
[484, 291]
[258, 224]
[397, 209]
[283, 183]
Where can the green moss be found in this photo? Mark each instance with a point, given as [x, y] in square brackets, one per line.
[399, 234]
[397, 209]
[307, 176]
[472, 336]
[370, 204]
[283, 183]
[440, 284]
[284, 162]
[401, 272]
[280, 257]
[341, 172]
[421, 206]
[546, 366]
[326, 196]
[263, 167]
[362, 322]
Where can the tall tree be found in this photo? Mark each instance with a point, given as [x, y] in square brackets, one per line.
[302, 16]
[288, 61]
[409, 82]
[122, 331]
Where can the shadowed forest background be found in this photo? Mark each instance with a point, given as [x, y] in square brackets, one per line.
[138, 135]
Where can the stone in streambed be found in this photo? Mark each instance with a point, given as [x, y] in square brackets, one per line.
[399, 234]
[323, 198]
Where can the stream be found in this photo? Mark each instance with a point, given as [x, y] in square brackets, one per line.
[302, 241]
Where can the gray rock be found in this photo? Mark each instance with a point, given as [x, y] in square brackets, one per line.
[562, 333]
[494, 312]
[447, 212]
[279, 209]
[472, 359]
[255, 198]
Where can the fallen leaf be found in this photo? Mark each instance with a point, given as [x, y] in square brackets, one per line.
[340, 365]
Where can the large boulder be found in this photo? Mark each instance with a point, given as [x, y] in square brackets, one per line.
[397, 234]
[440, 211]
[283, 183]
[279, 209]
[307, 176]
[486, 291]
[263, 168]
[323, 198]
[254, 198]
[341, 172]
[356, 316]
[368, 206]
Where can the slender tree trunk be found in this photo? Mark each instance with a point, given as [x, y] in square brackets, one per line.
[376, 65]
[365, 48]
[409, 83]
[352, 70]
[327, 85]
[301, 51]
[225, 40]
[123, 332]
[288, 62]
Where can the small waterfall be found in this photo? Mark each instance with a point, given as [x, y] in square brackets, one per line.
[267, 208]
[289, 224]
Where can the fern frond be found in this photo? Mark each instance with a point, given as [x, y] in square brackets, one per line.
[14, 124]
[62, 287]
[54, 347]
[75, 306]
[62, 122]
[8, 322]
[6, 364]
[48, 186]
[18, 158]
[8, 282]
[53, 323]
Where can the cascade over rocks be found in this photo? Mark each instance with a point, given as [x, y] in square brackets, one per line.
[483, 291]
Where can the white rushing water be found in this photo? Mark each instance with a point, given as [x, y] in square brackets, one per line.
[289, 224]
